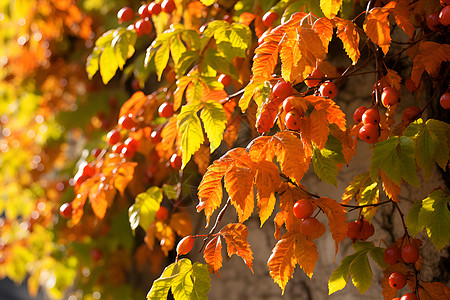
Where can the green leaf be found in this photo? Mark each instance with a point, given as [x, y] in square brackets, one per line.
[218, 62]
[162, 58]
[369, 194]
[339, 277]
[185, 61]
[144, 209]
[325, 161]
[214, 120]
[190, 129]
[231, 40]
[252, 88]
[176, 49]
[170, 191]
[426, 151]
[377, 254]
[412, 220]
[442, 131]
[361, 272]
[396, 157]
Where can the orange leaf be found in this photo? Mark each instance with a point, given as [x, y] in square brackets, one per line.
[98, 199]
[169, 135]
[429, 58]
[347, 33]
[261, 149]
[123, 176]
[266, 116]
[306, 254]
[267, 181]
[289, 194]
[324, 28]
[348, 142]
[213, 254]
[391, 189]
[337, 219]
[134, 104]
[377, 28]
[393, 79]
[77, 207]
[231, 132]
[402, 13]
[181, 223]
[182, 84]
[319, 128]
[433, 291]
[202, 158]
[235, 235]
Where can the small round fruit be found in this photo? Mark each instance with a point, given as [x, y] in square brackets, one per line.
[397, 280]
[353, 230]
[328, 89]
[269, 17]
[96, 254]
[303, 209]
[165, 110]
[87, 169]
[411, 113]
[433, 22]
[155, 136]
[131, 143]
[409, 296]
[117, 148]
[168, 6]
[185, 245]
[287, 105]
[96, 152]
[125, 14]
[371, 116]
[128, 152]
[392, 255]
[162, 214]
[410, 85]
[367, 230]
[143, 11]
[227, 18]
[127, 122]
[225, 79]
[444, 16]
[445, 98]
[113, 137]
[389, 96]
[292, 121]
[65, 210]
[282, 90]
[369, 133]
[410, 253]
[154, 8]
[79, 178]
[357, 115]
[309, 225]
[176, 162]
[143, 27]
[317, 75]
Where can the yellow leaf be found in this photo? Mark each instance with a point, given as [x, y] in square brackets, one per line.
[347, 33]
[377, 28]
[235, 235]
[267, 181]
[213, 254]
[330, 8]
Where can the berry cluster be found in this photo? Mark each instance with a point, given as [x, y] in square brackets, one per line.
[436, 20]
[303, 210]
[360, 230]
[370, 131]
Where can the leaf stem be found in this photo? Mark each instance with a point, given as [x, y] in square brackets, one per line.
[402, 217]
[219, 218]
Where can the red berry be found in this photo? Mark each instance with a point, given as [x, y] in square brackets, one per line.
[185, 245]
[433, 22]
[392, 255]
[369, 133]
[127, 122]
[143, 27]
[309, 225]
[79, 178]
[125, 14]
[117, 148]
[444, 2]
[357, 115]
[366, 231]
[168, 6]
[410, 253]
[269, 17]
[444, 16]
[65, 210]
[282, 90]
[154, 8]
[396, 298]
[317, 75]
[143, 11]
[411, 113]
[328, 89]
[135, 84]
[165, 110]
[155, 136]
[86, 169]
[371, 116]
[409, 296]
[131, 143]
[128, 152]
[162, 214]
[227, 18]
[410, 85]
[287, 105]
[96, 152]
[397, 280]
[445, 98]
[303, 209]
[225, 79]
[353, 230]
[292, 121]
[113, 137]
[96, 254]
[389, 96]
[176, 161]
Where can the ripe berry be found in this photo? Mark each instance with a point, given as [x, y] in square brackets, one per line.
[371, 116]
[143, 11]
[225, 79]
[113, 137]
[269, 17]
[328, 89]
[227, 18]
[410, 85]
[444, 16]
[353, 230]
[117, 148]
[143, 27]
[309, 225]
[366, 231]
[125, 14]
[411, 113]
[128, 152]
[131, 143]
[165, 110]
[409, 296]
[96, 152]
[303, 209]
[96, 254]
[317, 75]
[282, 90]
[445, 98]
[357, 115]
[287, 105]
[127, 122]
[185, 245]
[410, 253]
[433, 22]
[79, 178]
[86, 169]
[65, 210]
[162, 214]
[154, 8]
[292, 121]
[389, 96]
[155, 136]
[369, 133]
[392, 255]
[176, 161]
[168, 6]
[397, 280]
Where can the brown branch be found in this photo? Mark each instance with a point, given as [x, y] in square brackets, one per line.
[219, 218]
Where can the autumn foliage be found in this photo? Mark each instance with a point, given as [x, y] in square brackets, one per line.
[232, 104]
